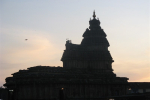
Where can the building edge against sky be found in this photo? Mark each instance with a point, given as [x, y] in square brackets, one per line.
[85, 65]
[126, 24]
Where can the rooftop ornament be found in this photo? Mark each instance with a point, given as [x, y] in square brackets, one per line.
[94, 14]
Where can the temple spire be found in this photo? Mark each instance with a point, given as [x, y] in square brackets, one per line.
[94, 14]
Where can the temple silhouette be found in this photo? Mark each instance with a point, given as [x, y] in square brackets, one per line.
[86, 74]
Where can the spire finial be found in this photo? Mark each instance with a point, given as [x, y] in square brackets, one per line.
[94, 14]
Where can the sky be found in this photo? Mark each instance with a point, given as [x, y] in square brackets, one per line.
[48, 23]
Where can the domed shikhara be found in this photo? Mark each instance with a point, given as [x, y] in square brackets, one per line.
[94, 35]
[92, 53]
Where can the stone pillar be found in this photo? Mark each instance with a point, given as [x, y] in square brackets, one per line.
[85, 90]
[27, 92]
[100, 91]
[24, 92]
[46, 92]
[80, 90]
[51, 88]
[52, 91]
[96, 92]
[40, 92]
[69, 91]
[37, 91]
[18, 92]
[31, 91]
[34, 91]
[50, 94]
[104, 90]
[43, 91]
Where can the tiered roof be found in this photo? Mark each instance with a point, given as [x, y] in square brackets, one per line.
[94, 45]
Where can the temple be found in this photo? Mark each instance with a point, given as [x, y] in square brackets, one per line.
[92, 53]
[86, 73]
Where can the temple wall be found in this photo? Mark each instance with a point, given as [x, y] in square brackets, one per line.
[51, 91]
[87, 64]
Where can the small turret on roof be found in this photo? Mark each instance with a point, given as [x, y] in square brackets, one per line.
[94, 14]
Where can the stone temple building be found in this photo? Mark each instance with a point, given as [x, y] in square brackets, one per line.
[86, 73]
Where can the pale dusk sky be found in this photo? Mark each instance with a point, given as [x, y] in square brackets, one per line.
[48, 23]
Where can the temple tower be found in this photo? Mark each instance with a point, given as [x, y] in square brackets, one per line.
[92, 53]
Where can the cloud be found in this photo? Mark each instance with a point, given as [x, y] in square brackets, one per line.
[132, 63]
[37, 48]
[145, 79]
[17, 53]
[133, 69]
